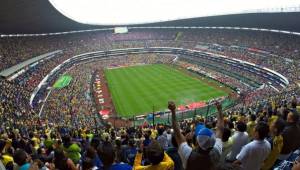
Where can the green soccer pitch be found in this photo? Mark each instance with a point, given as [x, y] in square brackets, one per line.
[140, 89]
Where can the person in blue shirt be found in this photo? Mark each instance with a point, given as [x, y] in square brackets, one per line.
[107, 155]
[20, 157]
[147, 140]
[173, 153]
[92, 154]
[130, 152]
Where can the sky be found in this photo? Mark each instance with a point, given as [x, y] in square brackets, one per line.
[125, 12]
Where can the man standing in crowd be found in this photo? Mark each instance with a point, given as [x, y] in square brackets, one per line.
[107, 154]
[209, 144]
[291, 135]
[162, 138]
[239, 139]
[254, 153]
[158, 159]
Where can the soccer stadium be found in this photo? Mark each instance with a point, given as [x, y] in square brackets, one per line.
[148, 85]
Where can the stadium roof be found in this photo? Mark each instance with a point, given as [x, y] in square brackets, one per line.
[34, 16]
[39, 16]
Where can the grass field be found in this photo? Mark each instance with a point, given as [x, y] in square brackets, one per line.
[138, 89]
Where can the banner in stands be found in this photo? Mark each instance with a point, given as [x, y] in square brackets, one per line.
[62, 82]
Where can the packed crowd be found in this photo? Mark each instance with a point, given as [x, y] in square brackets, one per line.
[72, 105]
[247, 138]
[219, 76]
[240, 74]
[15, 50]
[269, 60]
[14, 101]
[280, 44]
[227, 45]
[34, 75]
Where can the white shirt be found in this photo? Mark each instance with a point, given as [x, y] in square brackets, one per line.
[225, 150]
[163, 141]
[169, 137]
[253, 154]
[1, 165]
[185, 151]
[239, 139]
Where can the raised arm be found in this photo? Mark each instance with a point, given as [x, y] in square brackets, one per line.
[220, 121]
[178, 136]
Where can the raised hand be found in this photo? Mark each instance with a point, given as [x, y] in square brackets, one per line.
[171, 105]
[178, 136]
[219, 106]
[220, 120]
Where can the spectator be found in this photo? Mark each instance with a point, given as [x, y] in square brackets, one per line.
[21, 159]
[226, 143]
[208, 144]
[158, 159]
[130, 152]
[7, 157]
[162, 138]
[239, 139]
[147, 139]
[276, 141]
[91, 153]
[2, 144]
[87, 164]
[106, 153]
[251, 125]
[72, 149]
[254, 153]
[173, 153]
[291, 135]
[63, 162]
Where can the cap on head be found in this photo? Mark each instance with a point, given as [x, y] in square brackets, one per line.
[206, 139]
[198, 128]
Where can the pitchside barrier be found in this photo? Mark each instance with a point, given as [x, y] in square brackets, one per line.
[165, 117]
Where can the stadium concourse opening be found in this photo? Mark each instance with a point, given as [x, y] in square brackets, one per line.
[209, 93]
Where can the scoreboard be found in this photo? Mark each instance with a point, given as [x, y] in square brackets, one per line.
[121, 30]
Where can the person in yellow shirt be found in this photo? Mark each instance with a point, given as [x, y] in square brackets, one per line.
[153, 134]
[272, 119]
[158, 159]
[277, 143]
[35, 138]
[273, 104]
[6, 158]
[251, 125]
[2, 145]
[241, 118]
